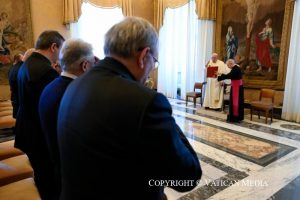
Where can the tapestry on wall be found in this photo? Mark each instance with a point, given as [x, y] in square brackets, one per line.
[255, 33]
[15, 33]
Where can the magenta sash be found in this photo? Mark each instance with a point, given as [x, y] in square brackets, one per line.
[235, 86]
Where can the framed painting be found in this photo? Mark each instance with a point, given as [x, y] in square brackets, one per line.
[15, 33]
[256, 33]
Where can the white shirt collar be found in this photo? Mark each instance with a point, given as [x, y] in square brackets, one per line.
[67, 74]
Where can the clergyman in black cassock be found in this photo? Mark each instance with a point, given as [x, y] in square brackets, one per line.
[236, 103]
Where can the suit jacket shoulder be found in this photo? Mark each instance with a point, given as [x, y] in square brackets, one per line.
[38, 66]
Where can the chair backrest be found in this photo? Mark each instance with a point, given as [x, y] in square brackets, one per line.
[267, 93]
[198, 86]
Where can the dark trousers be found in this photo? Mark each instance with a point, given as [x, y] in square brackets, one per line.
[44, 176]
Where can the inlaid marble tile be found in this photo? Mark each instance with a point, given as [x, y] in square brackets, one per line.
[210, 173]
[248, 147]
[290, 191]
[214, 186]
[245, 123]
[209, 184]
[245, 145]
[219, 156]
[244, 130]
[289, 126]
[274, 176]
[277, 180]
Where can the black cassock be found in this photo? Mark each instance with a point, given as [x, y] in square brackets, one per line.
[236, 103]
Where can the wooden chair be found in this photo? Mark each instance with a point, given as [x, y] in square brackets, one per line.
[195, 94]
[15, 169]
[7, 150]
[24, 189]
[263, 105]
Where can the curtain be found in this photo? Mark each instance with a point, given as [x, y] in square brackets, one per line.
[92, 25]
[205, 9]
[172, 40]
[185, 46]
[160, 7]
[291, 105]
[72, 8]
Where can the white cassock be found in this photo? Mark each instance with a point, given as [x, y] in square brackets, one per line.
[214, 91]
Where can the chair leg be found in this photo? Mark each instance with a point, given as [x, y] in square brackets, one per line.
[271, 115]
[201, 101]
[251, 113]
[186, 100]
[267, 114]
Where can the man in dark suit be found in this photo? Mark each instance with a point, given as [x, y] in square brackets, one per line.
[117, 138]
[12, 78]
[35, 73]
[76, 57]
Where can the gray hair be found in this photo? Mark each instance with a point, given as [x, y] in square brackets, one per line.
[231, 61]
[73, 52]
[130, 35]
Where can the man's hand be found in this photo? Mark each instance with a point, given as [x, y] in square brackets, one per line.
[207, 64]
[216, 74]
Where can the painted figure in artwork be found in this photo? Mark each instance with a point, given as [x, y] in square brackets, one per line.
[231, 44]
[264, 42]
[4, 26]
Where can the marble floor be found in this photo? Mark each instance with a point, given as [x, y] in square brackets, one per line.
[247, 160]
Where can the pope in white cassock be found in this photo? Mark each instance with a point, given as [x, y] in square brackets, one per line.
[214, 91]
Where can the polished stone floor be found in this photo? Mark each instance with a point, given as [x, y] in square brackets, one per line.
[247, 160]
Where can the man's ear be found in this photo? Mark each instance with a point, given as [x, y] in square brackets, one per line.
[84, 65]
[52, 47]
[142, 56]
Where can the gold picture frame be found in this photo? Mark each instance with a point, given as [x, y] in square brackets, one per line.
[255, 78]
[16, 33]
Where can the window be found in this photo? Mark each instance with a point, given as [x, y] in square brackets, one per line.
[93, 23]
[185, 45]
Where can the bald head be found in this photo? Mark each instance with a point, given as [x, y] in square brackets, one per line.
[214, 57]
[230, 63]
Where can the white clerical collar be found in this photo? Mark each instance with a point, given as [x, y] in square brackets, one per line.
[67, 74]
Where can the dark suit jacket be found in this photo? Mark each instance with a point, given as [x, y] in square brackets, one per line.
[48, 111]
[12, 78]
[116, 137]
[33, 76]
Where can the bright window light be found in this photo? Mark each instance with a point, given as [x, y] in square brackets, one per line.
[93, 23]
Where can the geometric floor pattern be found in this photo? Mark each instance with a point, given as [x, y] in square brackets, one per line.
[248, 160]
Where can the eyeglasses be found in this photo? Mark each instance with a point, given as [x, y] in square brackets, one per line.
[156, 62]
